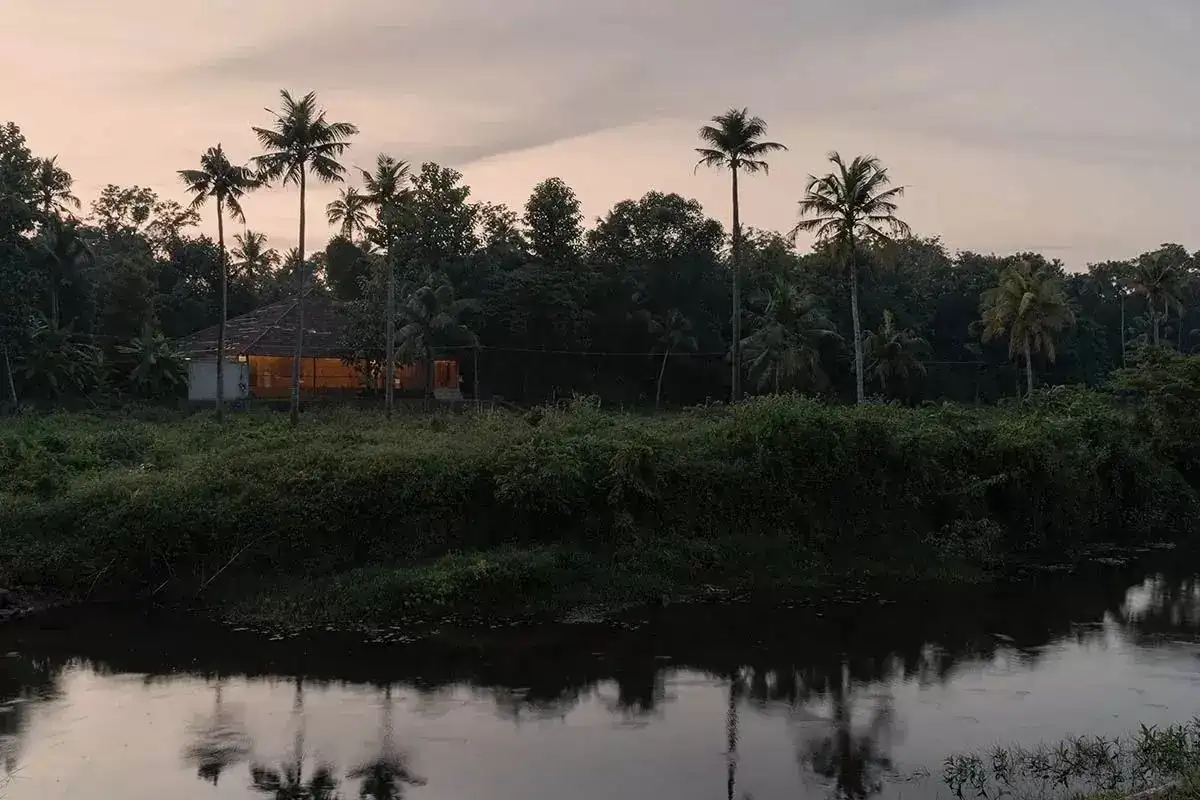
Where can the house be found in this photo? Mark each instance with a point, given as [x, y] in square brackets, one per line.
[260, 347]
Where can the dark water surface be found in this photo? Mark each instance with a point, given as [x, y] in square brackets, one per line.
[859, 698]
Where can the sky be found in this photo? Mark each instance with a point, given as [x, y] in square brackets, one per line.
[1069, 127]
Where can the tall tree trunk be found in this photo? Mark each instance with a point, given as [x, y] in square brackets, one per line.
[1154, 320]
[1179, 332]
[1028, 369]
[777, 365]
[860, 392]
[295, 409]
[736, 388]
[478, 396]
[428, 378]
[54, 301]
[661, 371]
[224, 304]
[390, 333]
[1123, 348]
[8, 371]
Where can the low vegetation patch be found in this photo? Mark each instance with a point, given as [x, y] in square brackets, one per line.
[1161, 763]
[505, 510]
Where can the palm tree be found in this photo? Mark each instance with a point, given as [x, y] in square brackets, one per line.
[253, 259]
[64, 253]
[788, 338]
[1160, 281]
[432, 317]
[52, 187]
[734, 142]
[851, 204]
[227, 183]
[300, 141]
[1030, 306]
[349, 211]
[672, 333]
[894, 355]
[386, 191]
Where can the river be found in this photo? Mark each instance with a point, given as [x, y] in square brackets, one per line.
[860, 696]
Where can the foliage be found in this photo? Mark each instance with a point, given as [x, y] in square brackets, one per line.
[894, 357]
[221, 180]
[52, 190]
[824, 485]
[734, 141]
[556, 297]
[554, 221]
[351, 211]
[853, 204]
[1030, 307]
[1082, 766]
[1166, 390]
[154, 370]
[300, 141]
[57, 363]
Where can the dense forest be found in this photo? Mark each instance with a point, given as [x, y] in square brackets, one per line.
[634, 308]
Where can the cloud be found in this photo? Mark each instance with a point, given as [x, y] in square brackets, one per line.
[546, 70]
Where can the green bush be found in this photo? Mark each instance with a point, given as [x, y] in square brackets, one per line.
[114, 501]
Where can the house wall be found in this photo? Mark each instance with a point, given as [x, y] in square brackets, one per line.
[271, 376]
[202, 380]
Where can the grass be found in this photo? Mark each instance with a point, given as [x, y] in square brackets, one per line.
[1161, 762]
[350, 517]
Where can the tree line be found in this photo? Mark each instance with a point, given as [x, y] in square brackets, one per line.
[654, 303]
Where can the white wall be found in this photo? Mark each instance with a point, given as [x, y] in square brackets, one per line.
[202, 381]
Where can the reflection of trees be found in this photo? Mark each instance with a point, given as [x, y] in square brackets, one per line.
[288, 782]
[385, 776]
[218, 742]
[854, 761]
[23, 681]
[1167, 604]
[787, 660]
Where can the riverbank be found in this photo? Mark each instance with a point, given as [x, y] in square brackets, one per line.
[351, 518]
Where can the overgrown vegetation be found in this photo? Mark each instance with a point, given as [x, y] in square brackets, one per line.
[1084, 767]
[500, 513]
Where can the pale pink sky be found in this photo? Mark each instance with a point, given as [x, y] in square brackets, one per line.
[1070, 127]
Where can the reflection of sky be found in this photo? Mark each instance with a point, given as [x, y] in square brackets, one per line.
[123, 736]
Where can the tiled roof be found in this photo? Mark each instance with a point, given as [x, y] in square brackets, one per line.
[271, 331]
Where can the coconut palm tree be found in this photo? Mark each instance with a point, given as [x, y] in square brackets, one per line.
[386, 191]
[351, 211]
[851, 204]
[673, 333]
[1157, 278]
[734, 141]
[432, 316]
[52, 187]
[301, 141]
[895, 355]
[253, 260]
[1028, 305]
[788, 338]
[64, 253]
[227, 183]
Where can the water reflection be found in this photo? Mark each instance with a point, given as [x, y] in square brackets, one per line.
[218, 741]
[854, 696]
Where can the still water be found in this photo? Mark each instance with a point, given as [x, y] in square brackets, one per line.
[835, 698]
